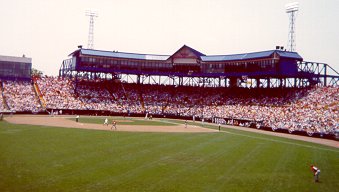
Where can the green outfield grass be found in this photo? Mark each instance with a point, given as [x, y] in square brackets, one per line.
[39, 158]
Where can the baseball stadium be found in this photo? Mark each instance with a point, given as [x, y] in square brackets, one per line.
[264, 119]
[182, 122]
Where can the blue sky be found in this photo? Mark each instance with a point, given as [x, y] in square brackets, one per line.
[48, 30]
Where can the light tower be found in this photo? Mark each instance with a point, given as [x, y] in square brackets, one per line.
[91, 14]
[291, 10]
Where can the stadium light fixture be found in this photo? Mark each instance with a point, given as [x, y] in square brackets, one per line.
[291, 10]
[91, 14]
[291, 7]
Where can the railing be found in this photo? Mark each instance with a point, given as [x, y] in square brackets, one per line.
[319, 72]
[39, 95]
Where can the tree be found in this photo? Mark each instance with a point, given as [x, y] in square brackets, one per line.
[36, 73]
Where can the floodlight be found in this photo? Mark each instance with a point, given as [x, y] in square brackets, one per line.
[91, 14]
[291, 7]
[292, 10]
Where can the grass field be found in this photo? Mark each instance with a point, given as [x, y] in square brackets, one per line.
[39, 158]
[122, 121]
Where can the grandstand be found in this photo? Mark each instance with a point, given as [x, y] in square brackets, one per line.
[187, 66]
[275, 89]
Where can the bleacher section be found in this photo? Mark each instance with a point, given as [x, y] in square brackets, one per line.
[315, 110]
[20, 96]
[3, 104]
[59, 93]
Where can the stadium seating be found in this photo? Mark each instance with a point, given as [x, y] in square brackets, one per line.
[3, 108]
[309, 109]
[20, 96]
[59, 93]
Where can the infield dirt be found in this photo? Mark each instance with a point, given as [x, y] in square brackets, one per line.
[64, 121]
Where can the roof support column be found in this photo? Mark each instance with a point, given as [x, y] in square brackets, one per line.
[325, 75]
[258, 82]
[138, 79]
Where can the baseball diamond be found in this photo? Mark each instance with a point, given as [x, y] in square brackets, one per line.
[42, 152]
[205, 97]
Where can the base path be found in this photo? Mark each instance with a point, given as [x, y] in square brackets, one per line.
[64, 121]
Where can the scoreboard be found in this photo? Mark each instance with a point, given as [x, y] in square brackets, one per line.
[15, 68]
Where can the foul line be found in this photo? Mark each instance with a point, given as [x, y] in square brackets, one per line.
[278, 141]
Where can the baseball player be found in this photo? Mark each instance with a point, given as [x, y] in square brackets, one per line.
[316, 172]
[106, 122]
[114, 124]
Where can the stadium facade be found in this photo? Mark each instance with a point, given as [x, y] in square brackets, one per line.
[187, 66]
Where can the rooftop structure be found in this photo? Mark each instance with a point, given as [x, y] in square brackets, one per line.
[15, 68]
[270, 68]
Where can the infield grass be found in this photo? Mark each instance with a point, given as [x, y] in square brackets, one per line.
[122, 121]
[39, 158]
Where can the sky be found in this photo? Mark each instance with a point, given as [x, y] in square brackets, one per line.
[49, 30]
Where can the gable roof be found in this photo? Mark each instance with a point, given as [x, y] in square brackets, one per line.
[195, 52]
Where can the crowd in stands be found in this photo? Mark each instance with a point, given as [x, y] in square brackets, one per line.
[2, 107]
[107, 95]
[2, 103]
[20, 96]
[309, 109]
[59, 93]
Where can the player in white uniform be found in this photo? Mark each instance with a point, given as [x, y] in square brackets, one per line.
[106, 122]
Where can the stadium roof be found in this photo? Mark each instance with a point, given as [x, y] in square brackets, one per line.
[22, 59]
[255, 55]
[203, 57]
[123, 55]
